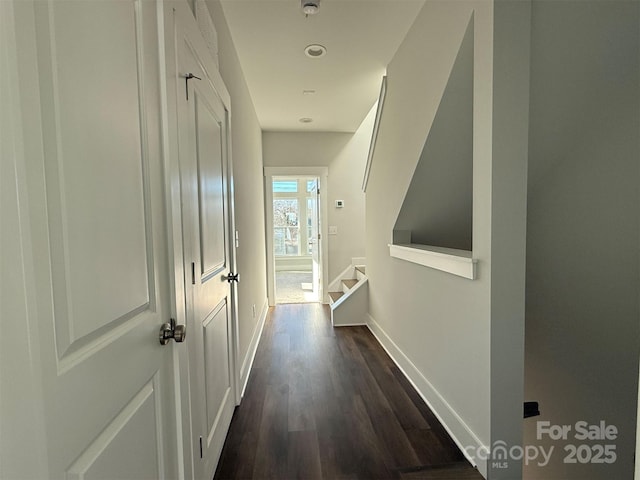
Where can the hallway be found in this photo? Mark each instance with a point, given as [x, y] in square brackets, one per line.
[328, 403]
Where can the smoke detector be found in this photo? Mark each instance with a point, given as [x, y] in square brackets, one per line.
[310, 7]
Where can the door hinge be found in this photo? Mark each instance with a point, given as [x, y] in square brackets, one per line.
[200, 447]
[318, 192]
[193, 273]
[319, 236]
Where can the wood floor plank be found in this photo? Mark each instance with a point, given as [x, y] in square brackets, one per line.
[300, 395]
[387, 428]
[449, 472]
[325, 403]
[271, 459]
[403, 407]
[303, 456]
[279, 360]
[370, 456]
[432, 449]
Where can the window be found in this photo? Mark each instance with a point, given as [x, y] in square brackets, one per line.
[294, 212]
[286, 227]
[285, 186]
[310, 209]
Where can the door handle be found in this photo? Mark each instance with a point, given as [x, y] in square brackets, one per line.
[232, 277]
[170, 330]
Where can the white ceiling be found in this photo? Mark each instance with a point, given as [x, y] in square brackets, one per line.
[361, 37]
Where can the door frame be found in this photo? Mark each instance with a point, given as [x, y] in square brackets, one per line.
[176, 19]
[22, 405]
[323, 174]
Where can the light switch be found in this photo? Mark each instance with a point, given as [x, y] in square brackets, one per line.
[339, 203]
[333, 230]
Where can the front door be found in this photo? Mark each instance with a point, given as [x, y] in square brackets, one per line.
[95, 206]
[203, 121]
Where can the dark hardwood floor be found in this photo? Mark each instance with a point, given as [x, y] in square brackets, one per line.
[324, 403]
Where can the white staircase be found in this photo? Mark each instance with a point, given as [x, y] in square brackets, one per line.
[349, 297]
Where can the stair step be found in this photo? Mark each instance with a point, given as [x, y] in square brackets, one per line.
[349, 283]
[334, 296]
[361, 269]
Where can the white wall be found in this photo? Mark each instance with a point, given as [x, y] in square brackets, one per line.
[583, 264]
[460, 341]
[249, 195]
[440, 322]
[345, 154]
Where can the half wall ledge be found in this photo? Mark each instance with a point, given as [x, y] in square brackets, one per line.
[450, 260]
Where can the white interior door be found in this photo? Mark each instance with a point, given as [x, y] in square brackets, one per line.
[95, 208]
[314, 213]
[203, 121]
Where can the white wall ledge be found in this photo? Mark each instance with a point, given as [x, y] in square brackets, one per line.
[456, 262]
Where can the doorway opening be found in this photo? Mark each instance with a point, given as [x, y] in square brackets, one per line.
[296, 238]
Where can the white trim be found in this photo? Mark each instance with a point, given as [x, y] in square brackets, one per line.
[374, 132]
[22, 403]
[323, 174]
[456, 262]
[247, 364]
[296, 172]
[168, 121]
[455, 426]
[336, 284]
[636, 474]
[174, 20]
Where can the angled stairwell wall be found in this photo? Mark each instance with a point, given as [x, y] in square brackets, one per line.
[438, 207]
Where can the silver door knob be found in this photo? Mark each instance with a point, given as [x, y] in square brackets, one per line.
[170, 330]
[232, 277]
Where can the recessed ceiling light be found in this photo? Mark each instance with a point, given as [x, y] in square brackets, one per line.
[306, 120]
[315, 51]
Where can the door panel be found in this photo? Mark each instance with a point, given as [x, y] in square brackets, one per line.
[216, 364]
[127, 447]
[210, 185]
[96, 207]
[96, 190]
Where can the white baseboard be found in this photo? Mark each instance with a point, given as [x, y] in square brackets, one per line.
[247, 363]
[459, 431]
